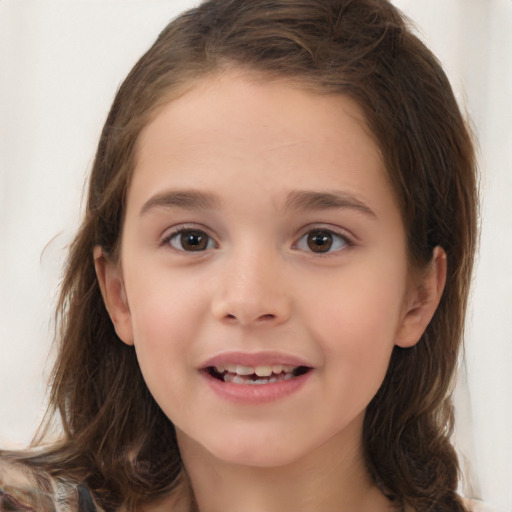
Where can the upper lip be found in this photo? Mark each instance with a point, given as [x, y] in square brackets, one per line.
[255, 359]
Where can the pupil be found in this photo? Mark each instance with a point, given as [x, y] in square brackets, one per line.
[320, 241]
[194, 240]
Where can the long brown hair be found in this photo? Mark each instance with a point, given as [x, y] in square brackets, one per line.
[116, 439]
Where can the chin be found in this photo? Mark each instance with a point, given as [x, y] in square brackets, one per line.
[248, 449]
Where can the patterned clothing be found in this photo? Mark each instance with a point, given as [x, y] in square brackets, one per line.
[24, 490]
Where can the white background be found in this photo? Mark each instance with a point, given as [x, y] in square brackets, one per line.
[60, 65]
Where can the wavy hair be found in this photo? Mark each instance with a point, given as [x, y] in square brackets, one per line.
[116, 439]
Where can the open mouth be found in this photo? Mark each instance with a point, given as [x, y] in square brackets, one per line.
[238, 374]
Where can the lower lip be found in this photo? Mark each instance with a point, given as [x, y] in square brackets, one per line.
[256, 393]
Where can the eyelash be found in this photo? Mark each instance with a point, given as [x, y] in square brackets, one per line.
[178, 232]
[336, 238]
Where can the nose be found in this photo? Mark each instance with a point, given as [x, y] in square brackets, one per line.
[251, 290]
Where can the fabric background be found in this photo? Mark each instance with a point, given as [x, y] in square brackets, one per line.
[61, 62]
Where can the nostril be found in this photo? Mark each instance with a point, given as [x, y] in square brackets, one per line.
[246, 319]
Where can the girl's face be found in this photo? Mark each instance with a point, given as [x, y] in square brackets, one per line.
[263, 277]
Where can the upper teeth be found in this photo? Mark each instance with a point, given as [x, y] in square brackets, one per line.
[260, 371]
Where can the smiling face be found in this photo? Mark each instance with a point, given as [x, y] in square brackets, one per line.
[263, 277]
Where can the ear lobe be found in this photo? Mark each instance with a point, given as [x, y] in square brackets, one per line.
[422, 301]
[114, 296]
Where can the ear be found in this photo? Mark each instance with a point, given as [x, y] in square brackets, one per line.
[112, 289]
[422, 301]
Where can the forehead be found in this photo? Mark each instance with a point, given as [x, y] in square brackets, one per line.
[267, 102]
[271, 135]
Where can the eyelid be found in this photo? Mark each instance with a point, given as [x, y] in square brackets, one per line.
[348, 239]
[173, 231]
[345, 235]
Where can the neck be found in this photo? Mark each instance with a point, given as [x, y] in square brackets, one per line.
[334, 477]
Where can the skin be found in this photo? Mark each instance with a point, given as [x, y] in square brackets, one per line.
[253, 148]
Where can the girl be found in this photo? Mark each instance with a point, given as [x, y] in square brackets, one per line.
[263, 307]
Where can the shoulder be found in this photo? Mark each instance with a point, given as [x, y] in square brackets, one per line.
[24, 488]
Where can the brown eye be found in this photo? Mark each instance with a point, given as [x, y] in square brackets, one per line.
[321, 241]
[191, 240]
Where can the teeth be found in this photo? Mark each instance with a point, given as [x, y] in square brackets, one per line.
[259, 381]
[263, 371]
[244, 370]
[255, 380]
[259, 371]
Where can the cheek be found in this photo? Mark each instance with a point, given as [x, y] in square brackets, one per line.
[164, 316]
[162, 344]
[161, 305]
[361, 307]
[356, 322]
[359, 344]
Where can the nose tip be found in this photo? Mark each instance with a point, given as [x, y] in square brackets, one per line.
[251, 301]
[244, 313]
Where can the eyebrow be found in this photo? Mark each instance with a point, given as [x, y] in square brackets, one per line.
[311, 200]
[296, 200]
[190, 199]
